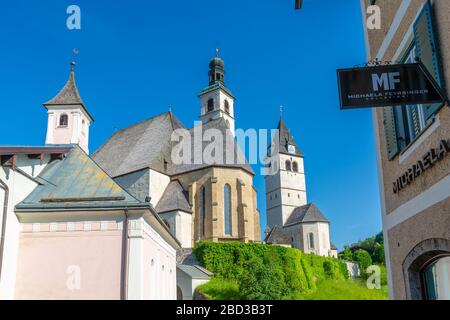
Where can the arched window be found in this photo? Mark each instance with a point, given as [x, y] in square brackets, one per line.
[288, 165]
[227, 209]
[227, 106]
[294, 166]
[436, 279]
[210, 105]
[311, 240]
[203, 210]
[64, 120]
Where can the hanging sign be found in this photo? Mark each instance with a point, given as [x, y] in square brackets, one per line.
[387, 85]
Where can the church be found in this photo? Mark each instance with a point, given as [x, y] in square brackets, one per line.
[119, 223]
[291, 220]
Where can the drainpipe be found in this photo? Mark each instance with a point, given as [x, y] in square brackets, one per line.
[5, 212]
[125, 246]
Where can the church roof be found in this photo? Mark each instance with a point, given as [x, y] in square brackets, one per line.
[76, 182]
[306, 213]
[195, 272]
[276, 236]
[143, 145]
[238, 157]
[174, 198]
[286, 139]
[148, 145]
[69, 95]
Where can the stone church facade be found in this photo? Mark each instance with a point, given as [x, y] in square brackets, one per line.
[198, 201]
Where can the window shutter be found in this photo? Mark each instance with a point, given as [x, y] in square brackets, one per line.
[426, 50]
[390, 132]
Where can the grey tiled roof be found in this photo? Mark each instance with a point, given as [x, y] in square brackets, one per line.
[195, 272]
[143, 145]
[174, 198]
[68, 95]
[306, 213]
[76, 182]
[236, 154]
[286, 139]
[276, 236]
[148, 145]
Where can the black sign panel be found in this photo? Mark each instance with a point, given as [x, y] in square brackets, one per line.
[381, 86]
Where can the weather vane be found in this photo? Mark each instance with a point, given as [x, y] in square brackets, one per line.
[75, 53]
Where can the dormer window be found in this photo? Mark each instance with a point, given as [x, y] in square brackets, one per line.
[64, 120]
[210, 106]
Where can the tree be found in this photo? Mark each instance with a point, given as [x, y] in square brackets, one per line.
[378, 254]
[363, 258]
[346, 255]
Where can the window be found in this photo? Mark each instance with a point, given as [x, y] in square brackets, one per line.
[83, 127]
[436, 280]
[64, 120]
[203, 210]
[227, 106]
[311, 240]
[403, 124]
[294, 166]
[227, 209]
[288, 165]
[210, 105]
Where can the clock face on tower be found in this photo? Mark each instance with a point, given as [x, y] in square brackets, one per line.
[291, 148]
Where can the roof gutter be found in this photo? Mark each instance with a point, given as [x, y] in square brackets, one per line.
[3, 186]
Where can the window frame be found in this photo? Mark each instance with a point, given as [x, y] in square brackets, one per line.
[62, 116]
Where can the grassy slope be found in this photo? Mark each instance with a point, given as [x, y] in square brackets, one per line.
[345, 290]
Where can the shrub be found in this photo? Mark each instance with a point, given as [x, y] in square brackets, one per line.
[346, 254]
[363, 259]
[219, 289]
[378, 254]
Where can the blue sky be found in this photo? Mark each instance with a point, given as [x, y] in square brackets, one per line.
[138, 57]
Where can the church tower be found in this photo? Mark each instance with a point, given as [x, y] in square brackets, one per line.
[68, 118]
[286, 189]
[216, 99]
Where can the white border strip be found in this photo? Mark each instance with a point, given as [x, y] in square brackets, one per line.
[401, 12]
[435, 194]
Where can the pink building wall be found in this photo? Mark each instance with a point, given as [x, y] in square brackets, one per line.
[51, 262]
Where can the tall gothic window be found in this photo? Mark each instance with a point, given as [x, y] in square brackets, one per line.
[227, 209]
[64, 120]
[288, 165]
[210, 105]
[294, 166]
[311, 240]
[203, 210]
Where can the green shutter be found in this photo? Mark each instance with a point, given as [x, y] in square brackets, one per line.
[426, 50]
[390, 132]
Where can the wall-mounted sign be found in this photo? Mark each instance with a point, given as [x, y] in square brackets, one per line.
[427, 161]
[389, 85]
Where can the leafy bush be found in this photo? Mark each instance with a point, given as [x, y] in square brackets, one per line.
[265, 271]
[346, 255]
[218, 289]
[364, 260]
[378, 254]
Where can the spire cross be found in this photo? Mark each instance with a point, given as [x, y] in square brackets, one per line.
[217, 52]
[281, 111]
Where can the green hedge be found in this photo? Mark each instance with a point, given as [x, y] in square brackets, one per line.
[266, 271]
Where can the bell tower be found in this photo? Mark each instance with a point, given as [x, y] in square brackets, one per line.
[68, 119]
[216, 100]
[286, 188]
